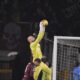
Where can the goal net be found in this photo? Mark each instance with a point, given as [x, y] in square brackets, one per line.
[65, 52]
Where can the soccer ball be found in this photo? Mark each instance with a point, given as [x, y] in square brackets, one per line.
[44, 22]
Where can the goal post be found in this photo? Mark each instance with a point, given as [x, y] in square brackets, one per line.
[65, 51]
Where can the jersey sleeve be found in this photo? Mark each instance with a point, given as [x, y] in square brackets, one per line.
[45, 68]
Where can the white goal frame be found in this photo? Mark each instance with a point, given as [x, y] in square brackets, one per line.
[54, 59]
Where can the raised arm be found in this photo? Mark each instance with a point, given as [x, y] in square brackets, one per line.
[40, 36]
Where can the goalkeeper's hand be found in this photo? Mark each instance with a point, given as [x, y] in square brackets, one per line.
[43, 24]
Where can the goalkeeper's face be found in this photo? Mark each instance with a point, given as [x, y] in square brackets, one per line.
[31, 39]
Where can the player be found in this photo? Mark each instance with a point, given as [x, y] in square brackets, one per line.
[29, 71]
[28, 74]
[41, 66]
[34, 43]
[76, 70]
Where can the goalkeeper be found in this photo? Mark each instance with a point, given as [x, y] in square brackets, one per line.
[36, 50]
[34, 43]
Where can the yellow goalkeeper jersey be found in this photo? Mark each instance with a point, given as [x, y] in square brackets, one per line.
[45, 69]
[35, 47]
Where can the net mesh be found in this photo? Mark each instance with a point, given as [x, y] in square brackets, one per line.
[66, 58]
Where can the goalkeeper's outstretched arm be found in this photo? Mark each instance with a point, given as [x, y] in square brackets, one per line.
[40, 36]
